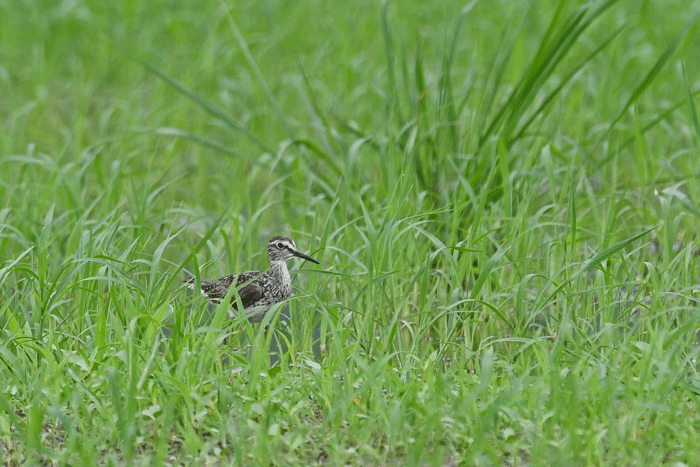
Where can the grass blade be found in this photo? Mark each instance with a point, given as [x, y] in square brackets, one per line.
[210, 108]
[258, 75]
[650, 76]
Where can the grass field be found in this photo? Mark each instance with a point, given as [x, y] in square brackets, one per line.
[503, 197]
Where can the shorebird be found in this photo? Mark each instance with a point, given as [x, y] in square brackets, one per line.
[257, 290]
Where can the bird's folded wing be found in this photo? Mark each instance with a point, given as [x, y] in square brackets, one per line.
[249, 294]
[248, 290]
[216, 289]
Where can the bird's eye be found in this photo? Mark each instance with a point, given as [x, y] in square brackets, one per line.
[280, 245]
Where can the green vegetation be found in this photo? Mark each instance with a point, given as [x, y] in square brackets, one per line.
[503, 197]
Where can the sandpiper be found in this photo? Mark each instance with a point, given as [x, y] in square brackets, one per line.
[258, 290]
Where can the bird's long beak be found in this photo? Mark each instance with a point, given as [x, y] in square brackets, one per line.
[301, 255]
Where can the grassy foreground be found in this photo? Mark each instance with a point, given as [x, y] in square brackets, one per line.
[503, 197]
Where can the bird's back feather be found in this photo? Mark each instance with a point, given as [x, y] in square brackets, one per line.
[216, 289]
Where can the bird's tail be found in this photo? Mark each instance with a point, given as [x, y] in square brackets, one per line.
[189, 282]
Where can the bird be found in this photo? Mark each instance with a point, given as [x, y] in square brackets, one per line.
[257, 290]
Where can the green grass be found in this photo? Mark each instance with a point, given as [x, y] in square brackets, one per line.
[503, 197]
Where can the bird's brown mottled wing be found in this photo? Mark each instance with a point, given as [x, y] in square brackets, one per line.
[250, 292]
[244, 277]
[216, 289]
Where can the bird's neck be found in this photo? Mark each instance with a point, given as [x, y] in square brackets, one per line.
[280, 271]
